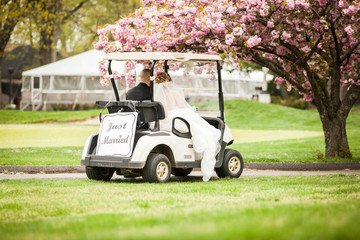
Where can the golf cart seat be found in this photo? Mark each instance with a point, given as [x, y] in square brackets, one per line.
[148, 111]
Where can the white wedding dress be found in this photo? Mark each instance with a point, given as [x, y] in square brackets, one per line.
[205, 137]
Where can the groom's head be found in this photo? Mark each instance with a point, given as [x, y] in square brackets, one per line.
[145, 76]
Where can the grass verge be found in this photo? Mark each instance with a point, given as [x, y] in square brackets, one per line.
[22, 117]
[291, 207]
[44, 135]
[41, 156]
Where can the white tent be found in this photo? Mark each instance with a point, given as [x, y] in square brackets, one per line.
[74, 80]
[85, 63]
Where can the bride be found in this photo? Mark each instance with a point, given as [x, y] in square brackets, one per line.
[205, 137]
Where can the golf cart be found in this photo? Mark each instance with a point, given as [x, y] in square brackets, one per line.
[126, 147]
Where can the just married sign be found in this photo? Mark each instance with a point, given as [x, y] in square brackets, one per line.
[117, 133]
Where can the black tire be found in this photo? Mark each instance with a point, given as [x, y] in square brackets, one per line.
[99, 173]
[232, 166]
[181, 172]
[157, 168]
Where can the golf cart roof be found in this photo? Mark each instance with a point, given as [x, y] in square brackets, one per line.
[159, 56]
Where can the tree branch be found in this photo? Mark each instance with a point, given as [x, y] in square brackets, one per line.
[277, 69]
[352, 95]
[268, 50]
[294, 50]
[69, 13]
[349, 52]
[313, 49]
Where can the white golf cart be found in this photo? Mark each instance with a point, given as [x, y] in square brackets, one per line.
[124, 146]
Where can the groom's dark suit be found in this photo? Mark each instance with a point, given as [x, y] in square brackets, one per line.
[140, 92]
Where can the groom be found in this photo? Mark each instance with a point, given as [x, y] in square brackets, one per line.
[141, 92]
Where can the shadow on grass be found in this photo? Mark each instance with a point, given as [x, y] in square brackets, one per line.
[173, 179]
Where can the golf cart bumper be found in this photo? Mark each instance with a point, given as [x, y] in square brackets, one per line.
[110, 162]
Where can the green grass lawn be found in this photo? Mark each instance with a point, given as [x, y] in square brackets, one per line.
[263, 133]
[291, 207]
[306, 150]
[255, 115]
[21, 117]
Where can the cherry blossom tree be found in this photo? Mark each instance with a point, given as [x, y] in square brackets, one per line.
[312, 46]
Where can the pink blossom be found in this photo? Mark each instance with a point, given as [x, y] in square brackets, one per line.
[231, 10]
[342, 4]
[281, 50]
[212, 78]
[306, 49]
[102, 68]
[117, 76]
[105, 80]
[253, 41]
[232, 29]
[221, 8]
[288, 87]
[205, 1]
[229, 39]
[351, 10]
[139, 22]
[129, 78]
[279, 80]
[306, 85]
[101, 31]
[286, 35]
[147, 1]
[179, 3]
[198, 71]
[290, 4]
[322, 2]
[275, 34]
[270, 24]
[238, 31]
[349, 30]
[308, 97]
[129, 66]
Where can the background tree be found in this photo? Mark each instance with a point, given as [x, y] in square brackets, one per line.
[47, 19]
[67, 26]
[312, 46]
[94, 14]
[12, 11]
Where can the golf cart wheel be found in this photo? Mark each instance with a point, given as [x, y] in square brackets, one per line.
[181, 172]
[99, 173]
[232, 166]
[157, 168]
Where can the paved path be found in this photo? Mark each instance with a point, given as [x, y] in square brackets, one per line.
[195, 174]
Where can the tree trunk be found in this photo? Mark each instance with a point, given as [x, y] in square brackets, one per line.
[45, 52]
[336, 143]
[1, 103]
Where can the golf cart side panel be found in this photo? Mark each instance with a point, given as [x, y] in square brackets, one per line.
[181, 148]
